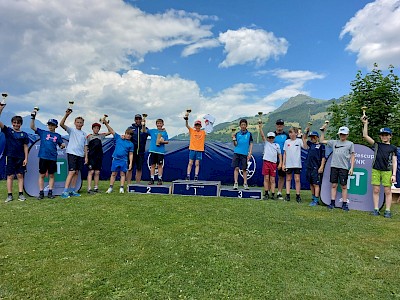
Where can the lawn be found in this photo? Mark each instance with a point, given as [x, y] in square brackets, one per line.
[128, 246]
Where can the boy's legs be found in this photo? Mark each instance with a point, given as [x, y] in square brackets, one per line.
[189, 167]
[96, 178]
[41, 181]
[10, 179]
[51, 181]
[375, 196]
[89, 179]
[297, 183]
[288, 182]
[388, 197]
[244, 176]
[236, 175]
[112, 178]
[122, 175]
[197, 168]
[266, 183]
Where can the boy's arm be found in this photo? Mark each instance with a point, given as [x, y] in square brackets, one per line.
[365, 132]
[322, 139]
[86, 154]
[62, 123]
[284, 160]
[110, 130]
[280, 161]
[25, 162]
[250, 151]
[352, 160]
[1, 110]
[394, 169]
[260, 126]
[187, 123]
[33, 126]
[304, 138]
[130, 160]
[165, 141]
[322, 166]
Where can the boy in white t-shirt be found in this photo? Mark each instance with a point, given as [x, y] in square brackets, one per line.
[272, 152]
[292, 162]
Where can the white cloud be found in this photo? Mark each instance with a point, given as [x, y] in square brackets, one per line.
[202, 44]
[251, 45]
[374, 32]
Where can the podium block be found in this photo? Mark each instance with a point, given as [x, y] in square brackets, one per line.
[149, 189]
[251, 194]
[196, 188]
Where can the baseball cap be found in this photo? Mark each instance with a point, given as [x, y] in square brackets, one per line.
[138, 116]
[343, 130]
[385, 130]
[52, 121]
[96, 124]
[279, 122]
[270, 134]
[313, 133]
[197, 122]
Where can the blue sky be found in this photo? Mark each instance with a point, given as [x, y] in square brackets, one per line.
[227, 58]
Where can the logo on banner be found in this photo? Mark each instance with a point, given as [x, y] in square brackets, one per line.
[357, 183]
[251, 168]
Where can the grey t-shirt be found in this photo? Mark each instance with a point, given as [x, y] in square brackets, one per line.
[341, 153]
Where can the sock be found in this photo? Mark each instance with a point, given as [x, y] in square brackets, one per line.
[387, 209]
[152, 177]
[160, 178]
[265, 193]
[9, 194]
[376, 209]
[188, 175]
[50, 191]
[66, 190]
[121, 187]
[297, 195]
[111, 186]
[41, 192]
[20, 193]
[272, 194]
[96, 187]
[333, 202]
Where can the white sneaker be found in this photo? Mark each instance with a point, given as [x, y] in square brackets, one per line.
[235, 186]
[109, 191]
[121, 190]
[245, 186]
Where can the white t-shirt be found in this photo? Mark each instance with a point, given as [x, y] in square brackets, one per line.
[271, 151]
[77, 142]
[293, 153]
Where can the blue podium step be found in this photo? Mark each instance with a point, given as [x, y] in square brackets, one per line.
[196, 188]
[149, 189]
[250, 194]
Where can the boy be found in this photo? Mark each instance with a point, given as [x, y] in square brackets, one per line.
[16, 152]
[159, 138]
[243, 142]
[49, 140]
[196, 147]
[77, 154]
[95, 156]
[292, 162]
[384, 166]
[123, 148]
[342, 154]
[280, 137]
[272, 153]
[315, 163]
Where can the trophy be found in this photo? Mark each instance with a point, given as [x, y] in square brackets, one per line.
[103, 119]
[364, 117]
[309, 124]
[71, 103]
[260, 113]
[34, 112]
[299, 132]
[3, 102]
[144, 119]
[159, 139]
[188, 111]
[324, 126]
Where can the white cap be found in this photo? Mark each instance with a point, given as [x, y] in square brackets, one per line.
[343, 130]
[270, 134]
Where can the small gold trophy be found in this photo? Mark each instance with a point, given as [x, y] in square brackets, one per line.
[3, 102]
[103, 119]
[325, 125]
[309, 124]
[34, 112]
[159, 139]
[260, 113]
[71, 103]
[188, 111]
[364, 108]
[144, 119]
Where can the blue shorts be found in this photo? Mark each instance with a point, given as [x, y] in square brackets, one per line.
[313, 177]
[195, 155]
[119, 165]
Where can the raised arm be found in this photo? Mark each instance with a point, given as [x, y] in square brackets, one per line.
[304, 137]
[187, 122]
[110, 130]
[62, 123]
[365, 132]
[1, 110]
[260, 126]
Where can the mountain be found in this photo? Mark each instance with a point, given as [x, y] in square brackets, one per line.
[297, 111]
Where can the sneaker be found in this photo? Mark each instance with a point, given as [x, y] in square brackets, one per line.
[331, 206]
[345, 206]
[50, 195]
[21, 198]
[235, 186]
[109, 191]
[375, 213]
[151, 182]
[74, 194]
[387, 214]
[196, 178]
[287, 198]
[187, 178]
[41, 196]
[121, 190]
[9, 198]
[313, 203]
[65, 195]
[298, 199]
[245, 186]
[266, 197]
[272, 197]
[159, 182]
[96, 191]
[279, 196]
[91, 192]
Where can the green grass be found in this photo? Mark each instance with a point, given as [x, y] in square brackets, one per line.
[170, 247]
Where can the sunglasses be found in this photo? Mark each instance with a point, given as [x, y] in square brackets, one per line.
[271, 137]
[280, 123]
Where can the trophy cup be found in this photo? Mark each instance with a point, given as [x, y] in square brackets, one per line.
[260, 113]
[71, 103]
[103, 119]
[324, 126]
[159, 139]
[144, 119]
[188, 111]
[364, 117]
[3, 102]
[34, 112]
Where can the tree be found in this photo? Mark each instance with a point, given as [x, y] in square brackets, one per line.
[380, 94]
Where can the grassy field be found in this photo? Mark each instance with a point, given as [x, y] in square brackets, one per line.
[125, 246]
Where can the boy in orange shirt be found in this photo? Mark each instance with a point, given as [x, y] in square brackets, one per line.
[196, 147]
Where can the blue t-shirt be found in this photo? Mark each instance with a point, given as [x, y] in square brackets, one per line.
[153, 147]
[243, 139]
[316, 152]
[122, 147]
[48, 144]
[280, 139]
[15, 141]
[139, 138]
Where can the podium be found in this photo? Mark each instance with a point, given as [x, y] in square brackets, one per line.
[196, 188]
[246, 194]
[149, 189]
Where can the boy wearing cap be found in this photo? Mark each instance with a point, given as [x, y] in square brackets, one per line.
[271, 156]
[16, 151]
[280, 137]
[95, 156]
[49, 140]
[315, 163]
[342, 155]
[384, 167]
[243, 142]
[196, 147]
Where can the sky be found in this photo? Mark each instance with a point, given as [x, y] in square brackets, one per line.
[226, 58]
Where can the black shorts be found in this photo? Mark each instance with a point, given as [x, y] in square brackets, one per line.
[293, 170]
[138, 160]
[156, 159]
[95, 163]
[281, 173]
[14, 165]
[313, 177]
[339, 175]
[239, 161]
[47, 166]
[75, 163]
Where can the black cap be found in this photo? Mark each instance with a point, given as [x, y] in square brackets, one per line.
[279, 121]
[138, 116]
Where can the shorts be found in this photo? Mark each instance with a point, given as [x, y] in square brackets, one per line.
[313, 177]
[381, 176]
[293, 170]
[95, 163]
[75, 163]
[138, 160]
[119, 165]
[281, 173]
[339, 175]
[47, 166]
[156, 158]
[195, 155]
[269, 168]
[239, 160]
[14, 165]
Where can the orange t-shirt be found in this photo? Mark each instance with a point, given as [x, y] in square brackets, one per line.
[197, 139]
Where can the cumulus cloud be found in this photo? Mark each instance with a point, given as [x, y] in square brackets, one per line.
[251, 45]
[196, 47]
[374, 32]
